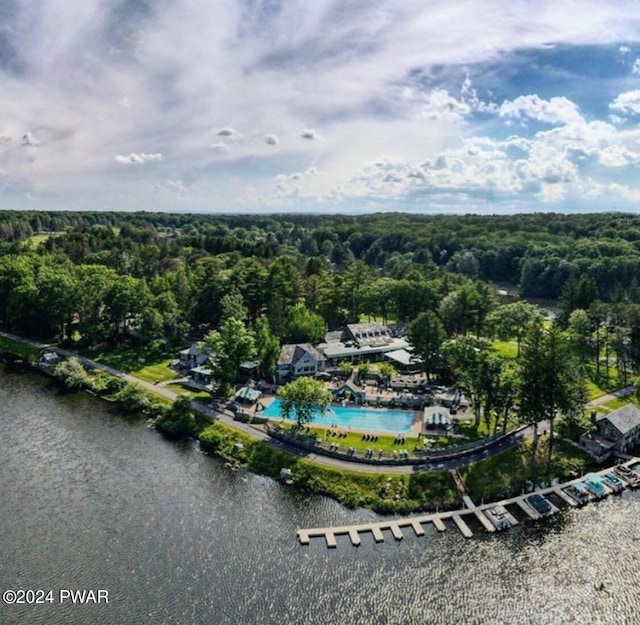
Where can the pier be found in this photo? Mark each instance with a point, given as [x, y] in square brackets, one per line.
[437, 519]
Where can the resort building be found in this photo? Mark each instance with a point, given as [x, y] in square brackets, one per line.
[360, 342]
[299, 359]
[617, 431]
[194, 356]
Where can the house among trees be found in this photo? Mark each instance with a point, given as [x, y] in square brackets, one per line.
[194, 356]
[617, 431]
[299, 359]
[359, 342]
[201, 375]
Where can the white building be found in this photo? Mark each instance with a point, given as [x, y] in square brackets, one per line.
[360, 342]
[299, 359]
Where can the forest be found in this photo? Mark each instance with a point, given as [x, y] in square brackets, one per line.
[476, 293]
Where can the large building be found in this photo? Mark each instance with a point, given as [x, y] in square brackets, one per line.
[299, 359]
[617, 431]
[360, 342]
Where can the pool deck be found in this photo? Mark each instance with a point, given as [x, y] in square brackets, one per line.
[416, 426]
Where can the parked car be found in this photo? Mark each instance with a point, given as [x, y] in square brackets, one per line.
[539, 504]
[498, 516]
[578, 492]
[613, 482]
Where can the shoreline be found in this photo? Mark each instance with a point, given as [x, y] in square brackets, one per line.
[384, 488]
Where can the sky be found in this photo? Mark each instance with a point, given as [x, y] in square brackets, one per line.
[436, 106]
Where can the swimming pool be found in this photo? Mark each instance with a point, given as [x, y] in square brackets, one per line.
[378, 420]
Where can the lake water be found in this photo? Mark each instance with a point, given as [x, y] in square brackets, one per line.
[91, 500]
[367, 419]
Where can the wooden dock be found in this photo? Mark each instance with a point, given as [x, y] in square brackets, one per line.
[437, 519]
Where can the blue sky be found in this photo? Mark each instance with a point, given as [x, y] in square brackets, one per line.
[333, 105]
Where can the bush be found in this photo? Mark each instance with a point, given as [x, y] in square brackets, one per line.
[72, 374]
[178, 421]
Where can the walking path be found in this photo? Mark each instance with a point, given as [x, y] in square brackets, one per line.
[258, 432]
[603, 399]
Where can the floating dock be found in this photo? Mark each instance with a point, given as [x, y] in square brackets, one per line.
[437, 519]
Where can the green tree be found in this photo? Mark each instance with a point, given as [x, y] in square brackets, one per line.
[302, 399]
[230, 346]
[426, 334]
[512, 320]
[303, 326]
[132, 398]
[267, 347]
[232, 305]
[72, 373]
[551, 380]
[387, 370]
[177, 421]
[579, 332]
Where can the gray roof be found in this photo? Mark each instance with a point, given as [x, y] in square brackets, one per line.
[400, 355]
[290, 354]
[369, 333]
[624, 419]
[334, 336]
[248, 393]
[350, 386]
[195, 350]
[340, 350]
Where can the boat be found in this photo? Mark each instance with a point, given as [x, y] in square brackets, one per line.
[498, 516]
[629, 476]
[613, 482]
[594, 484]
[578, 492]
[539, 504]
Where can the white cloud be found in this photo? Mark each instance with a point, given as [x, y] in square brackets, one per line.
[558, 110]
[635, 68]
[627, 103]
[91, 79]
[440, 105]
[139, 159]
[29, 139]
[220, 146]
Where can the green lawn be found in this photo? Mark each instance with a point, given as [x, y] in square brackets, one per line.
[615, 403]
[21, 349]
[508, 349]
[133, 359]
[506, 473]
[190, 393]
[41, 237]
[158, 372]
[385, 442]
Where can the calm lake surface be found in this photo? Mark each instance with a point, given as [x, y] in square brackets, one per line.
[91, 500]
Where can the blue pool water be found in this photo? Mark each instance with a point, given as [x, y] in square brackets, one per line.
[378, 420]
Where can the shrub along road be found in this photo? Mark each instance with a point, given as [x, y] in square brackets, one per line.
[438, 464]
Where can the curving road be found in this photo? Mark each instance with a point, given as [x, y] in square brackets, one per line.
[259, 433]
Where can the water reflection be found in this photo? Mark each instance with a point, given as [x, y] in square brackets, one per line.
[91, 500]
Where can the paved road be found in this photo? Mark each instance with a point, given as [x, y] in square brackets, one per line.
[258, 431]
[603, 399]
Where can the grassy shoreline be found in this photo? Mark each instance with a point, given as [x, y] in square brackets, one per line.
[492, 478]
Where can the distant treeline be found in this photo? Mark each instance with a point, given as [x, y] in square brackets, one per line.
[537, 253]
